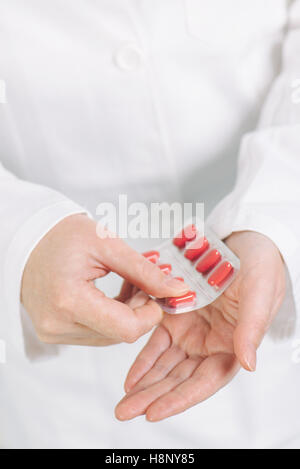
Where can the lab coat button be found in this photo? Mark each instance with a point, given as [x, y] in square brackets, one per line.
[129, 57]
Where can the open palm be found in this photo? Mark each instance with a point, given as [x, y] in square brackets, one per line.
[191, 356]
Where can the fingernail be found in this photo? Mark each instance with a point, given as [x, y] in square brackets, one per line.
[127, 388]
[119, 415]
[149, 418]
[177, 284]
[251, 360]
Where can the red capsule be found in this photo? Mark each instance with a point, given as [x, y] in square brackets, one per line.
[181, 279]
[166, 268]
[188, 299]
[152, 256]
[220, 274]
[209, 261]
[196, 249]
[187, 234]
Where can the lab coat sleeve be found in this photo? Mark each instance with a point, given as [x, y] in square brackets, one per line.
[266, 197]
[27, 212]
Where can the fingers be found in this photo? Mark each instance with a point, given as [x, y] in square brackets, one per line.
[120, 258]
[61, 333]
[136, 404]
[158, 343]
[113, 319]
[162, 367]
[261, 285]
[257, 306]
[91, 341]
[212, 375]
[126, 291]
[191, 382]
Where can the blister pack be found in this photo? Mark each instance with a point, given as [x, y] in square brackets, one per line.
[204, 263]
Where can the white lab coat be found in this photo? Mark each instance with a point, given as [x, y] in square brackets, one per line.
[157, 99]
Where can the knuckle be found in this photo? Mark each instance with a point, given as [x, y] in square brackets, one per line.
[46, 338]
[153, 277]
[130, 336]
[150, 270]
[63, 301]
[146, 268]
[45, 326]
[130, 339]
[47, 331]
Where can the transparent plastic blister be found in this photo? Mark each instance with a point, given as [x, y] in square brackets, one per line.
[208, 275]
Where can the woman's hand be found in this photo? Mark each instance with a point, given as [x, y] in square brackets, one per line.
[191, 356]
[59, 294]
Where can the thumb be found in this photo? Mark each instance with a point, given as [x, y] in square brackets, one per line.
[255, 314]
[114, 320]
[120, 258]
